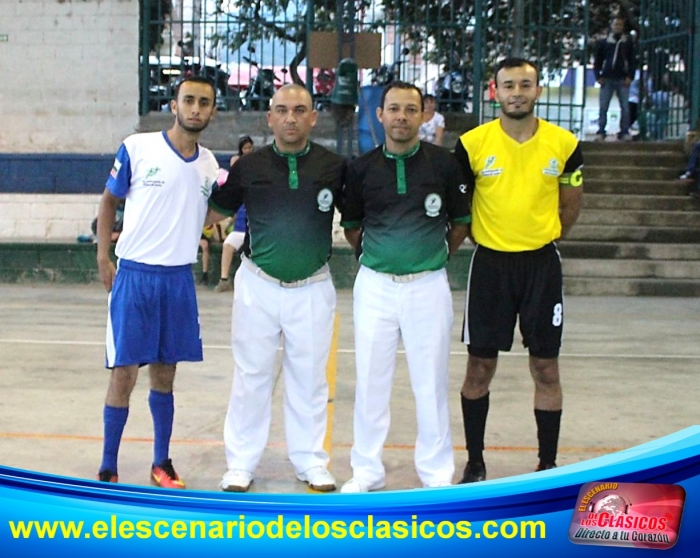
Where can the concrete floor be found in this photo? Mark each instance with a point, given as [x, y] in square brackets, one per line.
[629, 368]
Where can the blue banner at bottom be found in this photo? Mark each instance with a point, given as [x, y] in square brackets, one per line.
[642, 498]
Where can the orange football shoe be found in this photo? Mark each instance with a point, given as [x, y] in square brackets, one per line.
[164, 475]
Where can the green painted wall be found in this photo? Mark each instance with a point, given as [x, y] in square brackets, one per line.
[75, 263]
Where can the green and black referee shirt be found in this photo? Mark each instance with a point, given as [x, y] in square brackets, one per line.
[404, 204]
[290, 199]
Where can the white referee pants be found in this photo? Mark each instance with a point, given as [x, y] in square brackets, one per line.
[263, 313]
[421, 313]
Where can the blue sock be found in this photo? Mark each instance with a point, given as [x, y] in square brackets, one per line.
[162, 409]
[114, 422]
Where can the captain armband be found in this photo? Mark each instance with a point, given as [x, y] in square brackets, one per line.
[573, 179]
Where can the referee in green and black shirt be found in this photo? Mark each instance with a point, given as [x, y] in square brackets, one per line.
[282, 288]
[406, 207]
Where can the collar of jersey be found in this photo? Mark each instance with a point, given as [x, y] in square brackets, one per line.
[292, 163]
[400, 166]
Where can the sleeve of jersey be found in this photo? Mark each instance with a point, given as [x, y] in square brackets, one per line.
[228, 197]
[458, 206]
[351, 216]
[338, 191]
[572, 177]
[120, 175]
[465, 167]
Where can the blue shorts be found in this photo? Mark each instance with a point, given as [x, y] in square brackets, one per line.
[153, 316]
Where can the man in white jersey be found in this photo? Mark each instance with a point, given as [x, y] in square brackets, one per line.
[165, 179]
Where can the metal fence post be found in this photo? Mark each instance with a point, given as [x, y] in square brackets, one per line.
[519, 14]
[144, 32]
[695, 80]
[310, 20]
[478, 90]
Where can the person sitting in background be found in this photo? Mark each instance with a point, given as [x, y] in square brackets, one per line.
[234, 240]
[432, 129]
[691, 169]
[116, 229]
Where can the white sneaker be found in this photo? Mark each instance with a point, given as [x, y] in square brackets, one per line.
[236, 480]
[437, 484]
[599, 137]
[355, 486]
[318, 478]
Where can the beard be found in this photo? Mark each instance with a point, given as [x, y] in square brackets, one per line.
[194, 128]
[520, 114]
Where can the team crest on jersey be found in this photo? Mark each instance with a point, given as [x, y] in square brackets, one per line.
[151, 180]
[207, 186]
[325, 200]
[432, 204]
[488, 167]
[552, 169]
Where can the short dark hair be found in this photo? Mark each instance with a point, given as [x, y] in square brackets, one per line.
[400, 85]
[194, 79]
[245, 140]
[514, 62]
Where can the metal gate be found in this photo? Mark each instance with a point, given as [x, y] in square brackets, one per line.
[669, 66]
[560, 36]
[447, 49]
[552, 33]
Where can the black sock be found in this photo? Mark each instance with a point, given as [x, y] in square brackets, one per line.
[205, 276]
[474, 412]
[224, 279]
[548, 423]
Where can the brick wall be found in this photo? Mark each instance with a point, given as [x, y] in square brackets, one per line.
[46, 216]
[70, 72]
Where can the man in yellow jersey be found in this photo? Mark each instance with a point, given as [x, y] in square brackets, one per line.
[525, 177]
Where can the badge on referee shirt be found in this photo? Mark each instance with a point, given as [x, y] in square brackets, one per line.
[325, 200]
[432, 204]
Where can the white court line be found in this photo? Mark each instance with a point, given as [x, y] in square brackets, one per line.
[352, 351]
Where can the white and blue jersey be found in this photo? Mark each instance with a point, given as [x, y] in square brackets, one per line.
[153, 315]
[166, 199]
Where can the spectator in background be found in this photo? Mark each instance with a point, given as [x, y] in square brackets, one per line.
[116, 229]
[691, 169]
[235, 238]
[634, 99]
[615, 65]
[212, 233]
[659, 95]
[204, 245]
[432, 129]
